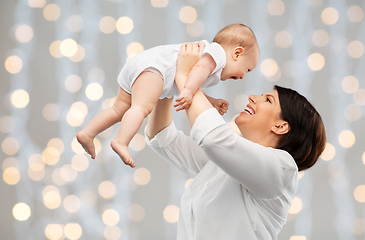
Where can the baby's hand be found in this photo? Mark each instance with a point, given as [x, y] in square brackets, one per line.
[220, 104]
[184, 100]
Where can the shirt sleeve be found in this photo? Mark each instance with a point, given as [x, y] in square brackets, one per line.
[178, 149]
[264, 172]
[218, 54]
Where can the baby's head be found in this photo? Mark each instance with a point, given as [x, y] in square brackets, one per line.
[242, 51]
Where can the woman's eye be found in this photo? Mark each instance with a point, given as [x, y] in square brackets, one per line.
[268, 100]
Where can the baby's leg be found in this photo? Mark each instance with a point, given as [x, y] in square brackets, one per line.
[104, 120]
[146, 91]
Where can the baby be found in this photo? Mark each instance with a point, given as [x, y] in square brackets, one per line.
[150, 75]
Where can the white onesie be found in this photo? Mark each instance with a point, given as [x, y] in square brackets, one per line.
[162, 60]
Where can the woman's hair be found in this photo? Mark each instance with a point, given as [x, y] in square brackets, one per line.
[306, 138]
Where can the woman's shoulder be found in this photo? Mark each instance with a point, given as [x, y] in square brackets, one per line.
[285, 159]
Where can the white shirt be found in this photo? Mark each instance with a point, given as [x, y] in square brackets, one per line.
[241, 190]
[162, 60]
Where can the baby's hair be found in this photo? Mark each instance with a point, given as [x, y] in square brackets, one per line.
[236, 35]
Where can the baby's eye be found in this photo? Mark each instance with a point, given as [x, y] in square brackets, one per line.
[268, 100]
[248, 70]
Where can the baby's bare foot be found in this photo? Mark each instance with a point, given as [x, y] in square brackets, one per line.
[87, 143]
[122, 151]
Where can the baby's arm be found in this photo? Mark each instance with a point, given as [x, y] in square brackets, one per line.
[220, 104]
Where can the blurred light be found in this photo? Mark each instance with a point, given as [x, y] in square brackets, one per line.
[134, 48]
[13, 64]
[51, 112]
[107, 24]
[88, 199]
[57, 144]
[36, 3]
[300, 175]
[159, 3]
[359, 193]
[136, 213]
[71, 203]
[188, 182]
[329, 16]
[298, 238]
[234, 127]
[108, 103]
[80, 162]
[350, 84]
[316, 61]
[52, 12]
[283, 39]
[96, 75]
[24, 33]
[329, 152]
[275, 7]
[73, 231]
[269, 67]
[355, 14]
[36, 162]
[74, 23]
[10, 162]
[56, 177]
[68, 173]
[195, 29]
[171, 213]
[51, 197]
[352, 112]
[137, 143]
[355, 49]
[21, 211]
[76, 147]
[68, 47]
[6, 124]
[320, 38]
[10, 146]
[346, 138]
[142, 176]
[54, 49]
[94, 91]
[73, 83]
[188, 14]
[110, 217]
[363, 158]
[359, 97]
[296, 206]
[291, 68]
[19, 98]
[54, 231]
[11, 175]
[107, 189]
[51, 156]
[124, 25]
[36, 175]
[79, 55]
[78, 111]
[240, 102]
[275, 77]
[112, 233]
[358, 226]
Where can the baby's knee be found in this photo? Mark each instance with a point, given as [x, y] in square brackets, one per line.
[145, 110]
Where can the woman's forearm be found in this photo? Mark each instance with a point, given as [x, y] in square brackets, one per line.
[160, 117]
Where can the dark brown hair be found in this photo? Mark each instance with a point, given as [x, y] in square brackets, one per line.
[306, 138]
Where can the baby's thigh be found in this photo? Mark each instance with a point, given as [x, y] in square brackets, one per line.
[147, 89]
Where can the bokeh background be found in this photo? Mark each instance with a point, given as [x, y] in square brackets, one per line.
[60, 61]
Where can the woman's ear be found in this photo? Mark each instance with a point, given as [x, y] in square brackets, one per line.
[280, 128]
[237, 52]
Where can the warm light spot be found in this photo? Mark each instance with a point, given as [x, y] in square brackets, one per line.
[96, 75]
[110, 217]
[188, 182]
[346, 138]
[76, 147]
[296, 206]
[68, 173]
[134, 48]
[359, 97]
[68, 47]
[73, 231]
[54, 231]
[80, 162]
[36, 175]
[320, 38]
[10, 162]
[10, 146]
[19, 98]
[107, 24]
[355, 49]
[107, 189]
[78, 111]
[124, 25]
[11, 176]
[71, 203]
[73, 83]
[36, 162]
[36, 3]
[6, 124]
[88, 199]
[51, 156]
[355, 14]
[51, 112]
[234, 127]
[352, 112]
[363, 158]
[275, 7]
[24, 33]
[275, 77]
[195, 29]
[329, 152]
[171, 213]
[56, 177]
[283, 39]
[136, 213]
[298, 238]
[74, 23]
[94, 91]
[57, 144]
[13, 64]
[240, 102]
[79, 55]
[316, 61]
[269, 67]
[358, 226]
[21, 211]
[329, 16]
[291, 68]
[137, 143]
[159, 3]
[112, 233]
[188, 14]
[52, 199]
[359, 193]
[300, 175]
[55, 50]
[142, 176]
[51, 12]
[350, 84]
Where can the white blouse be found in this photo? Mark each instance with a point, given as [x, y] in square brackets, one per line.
[241, 190]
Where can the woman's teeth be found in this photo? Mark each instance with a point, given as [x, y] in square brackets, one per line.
[249, 110]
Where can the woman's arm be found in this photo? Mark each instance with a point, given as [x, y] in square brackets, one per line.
[160, 117]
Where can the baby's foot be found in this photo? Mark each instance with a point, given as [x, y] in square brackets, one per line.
[122, 151]
[87, 143]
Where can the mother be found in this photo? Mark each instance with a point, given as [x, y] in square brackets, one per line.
[243, 186]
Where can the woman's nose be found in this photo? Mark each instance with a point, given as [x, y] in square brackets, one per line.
[251, 98]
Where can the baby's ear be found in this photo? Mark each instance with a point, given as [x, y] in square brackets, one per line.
[237, 52]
